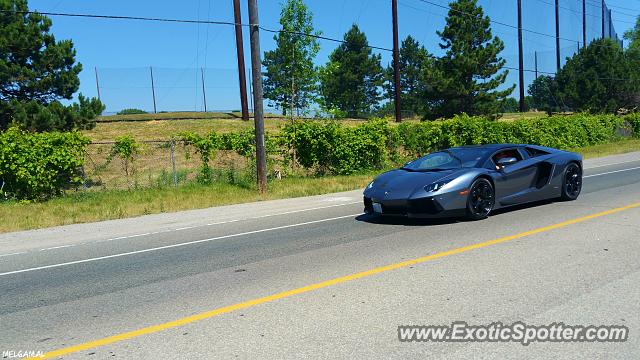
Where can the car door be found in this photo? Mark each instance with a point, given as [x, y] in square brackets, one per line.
[514, 183]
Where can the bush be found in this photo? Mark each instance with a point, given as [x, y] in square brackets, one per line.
[41, 165]
[126, 149]
[131, 112]
[205, 146]
[634, 121]
[563, 132]
[330, 147]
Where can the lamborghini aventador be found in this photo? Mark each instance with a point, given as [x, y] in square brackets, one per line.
[472, 181]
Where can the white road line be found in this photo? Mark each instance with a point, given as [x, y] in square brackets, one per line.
[57, 247]
[266, 216]
[222, 222]
[611, 172]
[16, 253]
[175, 245]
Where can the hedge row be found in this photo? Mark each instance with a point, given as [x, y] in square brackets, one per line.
[41, 165]
[342, 150]
[37, 166]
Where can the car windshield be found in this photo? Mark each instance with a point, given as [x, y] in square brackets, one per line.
[448, 160]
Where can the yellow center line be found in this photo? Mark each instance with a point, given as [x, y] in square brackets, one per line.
[316, 286]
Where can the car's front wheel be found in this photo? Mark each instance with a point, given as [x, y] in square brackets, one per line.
[572, 183]
[480, 200]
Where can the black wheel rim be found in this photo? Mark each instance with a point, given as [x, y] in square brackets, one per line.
[481, 200]
[573, 181]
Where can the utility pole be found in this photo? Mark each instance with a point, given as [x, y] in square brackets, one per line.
[153, 91]
[535, 54]
[520, 59]
[557, 36]
[603, 18]
[242, 77]
[584, 23]
[97, 82]
[256, 63]
[204, 92]
[396, 60]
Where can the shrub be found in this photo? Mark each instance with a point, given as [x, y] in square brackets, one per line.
[205, 146]
[131, 112]
[330, 147]
[634, 121]
[36, 166]
[125, 148]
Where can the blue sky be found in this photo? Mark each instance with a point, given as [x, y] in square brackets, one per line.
[123, 51]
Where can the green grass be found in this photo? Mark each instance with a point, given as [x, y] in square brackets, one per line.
[617, 147]
[117, 204]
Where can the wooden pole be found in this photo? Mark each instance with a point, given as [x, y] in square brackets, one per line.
[242, 77]
[396, 60]
[256, 64]
[520, 58]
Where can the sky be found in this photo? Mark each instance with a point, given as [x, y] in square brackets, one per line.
[122, 52]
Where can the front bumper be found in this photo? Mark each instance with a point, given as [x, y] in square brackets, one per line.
[427, 207]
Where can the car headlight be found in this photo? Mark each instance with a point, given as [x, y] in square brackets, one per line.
[436, 186]
[370, 185]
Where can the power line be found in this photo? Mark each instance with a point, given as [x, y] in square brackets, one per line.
[184, 21]
[503, 23]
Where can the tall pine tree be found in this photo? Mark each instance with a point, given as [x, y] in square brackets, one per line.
[36, 71]
[290, 77]
[414, 59]
[351, 80]
[465, 79]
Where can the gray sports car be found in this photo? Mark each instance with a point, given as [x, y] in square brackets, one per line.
[472, 181]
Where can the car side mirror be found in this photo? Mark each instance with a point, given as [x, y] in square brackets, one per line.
[507, 161]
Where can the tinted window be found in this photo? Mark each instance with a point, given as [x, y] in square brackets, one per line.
[535, 152]
[448, 159]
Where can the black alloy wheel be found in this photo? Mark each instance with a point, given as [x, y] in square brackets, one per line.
[480, 200]
[572, 183]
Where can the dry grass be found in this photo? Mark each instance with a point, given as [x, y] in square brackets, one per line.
[117, 204]
[165, 129]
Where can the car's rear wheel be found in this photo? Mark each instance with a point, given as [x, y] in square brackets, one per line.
[572, 182]
[480, 200]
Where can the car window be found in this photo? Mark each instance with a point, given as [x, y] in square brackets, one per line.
[454, 158]
[514, 153]
[535, 152]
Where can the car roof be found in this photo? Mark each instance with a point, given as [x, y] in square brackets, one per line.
[490, 146]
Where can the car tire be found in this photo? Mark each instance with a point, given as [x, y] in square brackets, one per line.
[480, 200]
[571, 182]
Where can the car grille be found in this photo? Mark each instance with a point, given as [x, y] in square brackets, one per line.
[402, 207]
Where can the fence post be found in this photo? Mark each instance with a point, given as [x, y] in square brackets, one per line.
[153, 91]
[173, 163]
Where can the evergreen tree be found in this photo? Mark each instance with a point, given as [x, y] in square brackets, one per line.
[633, 36]
[36, 71]
[351, 80]
[543, 91]
[414, 59]
[465, 79]
[290, 73]
[600, 78]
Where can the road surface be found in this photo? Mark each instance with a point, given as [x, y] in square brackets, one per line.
[315, 278]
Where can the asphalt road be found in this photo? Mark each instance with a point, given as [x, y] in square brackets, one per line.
[71, 285]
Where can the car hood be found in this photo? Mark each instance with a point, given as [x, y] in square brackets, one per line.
[401, 184]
